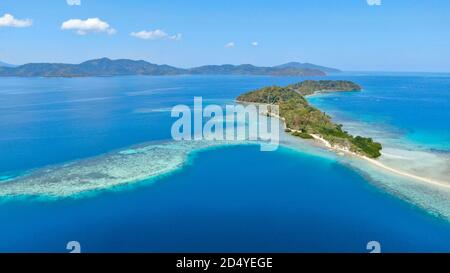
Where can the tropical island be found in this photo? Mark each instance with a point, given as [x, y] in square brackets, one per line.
[305, 121]
[124, 67]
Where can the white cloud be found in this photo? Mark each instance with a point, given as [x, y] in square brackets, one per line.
[156, 34]
[73, 2]
[255, 44]
[83, 27]
[230, 44]
[150, 35]
[8, 20]
[374, 2]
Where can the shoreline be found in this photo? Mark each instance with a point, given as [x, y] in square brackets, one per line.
[344, 151]
[377, 163]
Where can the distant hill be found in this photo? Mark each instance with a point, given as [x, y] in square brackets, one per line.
[108, 67]
[2, 64]
[248, 69]
[309, 66]
[98, 67]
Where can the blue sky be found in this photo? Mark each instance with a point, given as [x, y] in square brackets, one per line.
[397, 35]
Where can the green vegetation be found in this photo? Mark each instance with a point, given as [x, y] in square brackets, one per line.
[302, 119]
[310, 87]
[302, 135]
[108, 67]
[248, 69]
[310, 66]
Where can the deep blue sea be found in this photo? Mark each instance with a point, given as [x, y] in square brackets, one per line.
[232, 199]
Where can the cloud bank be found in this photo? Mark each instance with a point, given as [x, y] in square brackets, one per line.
[82, 27]
[8, 20]
[230, 44]
[156, 34]
[73, 2]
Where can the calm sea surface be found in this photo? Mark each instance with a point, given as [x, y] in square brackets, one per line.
[234, 199]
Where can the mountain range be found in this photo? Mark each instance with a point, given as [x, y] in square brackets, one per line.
[309, 66]
[2, 64]
[108, 67]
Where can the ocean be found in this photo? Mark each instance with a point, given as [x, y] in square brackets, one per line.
[230, 198]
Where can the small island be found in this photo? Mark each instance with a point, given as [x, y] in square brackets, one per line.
[305, 121]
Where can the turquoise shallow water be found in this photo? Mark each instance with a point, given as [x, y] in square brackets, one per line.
[415, 107]
[216, 203]
[229, 199]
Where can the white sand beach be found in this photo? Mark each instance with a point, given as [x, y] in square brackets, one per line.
[379, 164]
[345, 151]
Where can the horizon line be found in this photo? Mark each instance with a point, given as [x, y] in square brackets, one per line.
[237, 64]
